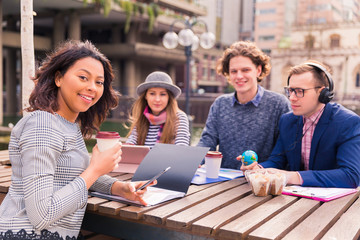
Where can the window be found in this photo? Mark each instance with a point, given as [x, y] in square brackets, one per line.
[266, 11]
[335, 40]
[205, 73]
[268, 24]
[267, 38]
[212, 74]
[357, 81]
[319, 7]
[316, 21]
[309, 41]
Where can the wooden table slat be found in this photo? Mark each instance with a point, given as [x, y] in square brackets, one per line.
[6, 178]
[4, 152]
[94, 202]
[285, 221]
[4, 187]
[2, 196]
[184, 218]
[5, 169]
[159, 215]
[125, 177]
[134, 212]
[5, 161]
[196, 188]
[315, 226]
[4, 157]
[5, 174]
[242, 226]
[115, 174]
[210, 223]
[346, 228]
[112, 208]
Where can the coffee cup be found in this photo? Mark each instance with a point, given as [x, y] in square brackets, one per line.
[212, 164]
[106, 140]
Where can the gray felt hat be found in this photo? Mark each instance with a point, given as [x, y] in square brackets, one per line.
[161, 80]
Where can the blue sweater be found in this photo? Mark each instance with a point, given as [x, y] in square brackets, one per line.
[236, 127]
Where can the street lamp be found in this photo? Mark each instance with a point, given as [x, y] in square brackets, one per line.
[190, 41]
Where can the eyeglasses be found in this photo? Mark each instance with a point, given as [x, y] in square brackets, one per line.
[299, 92]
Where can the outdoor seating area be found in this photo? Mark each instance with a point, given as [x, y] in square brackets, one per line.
[225, 210]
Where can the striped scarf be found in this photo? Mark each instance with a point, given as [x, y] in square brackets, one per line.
[156, 120]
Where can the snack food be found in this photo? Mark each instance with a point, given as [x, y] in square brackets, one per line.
[260, 183]
[278, 182]
[247, 173]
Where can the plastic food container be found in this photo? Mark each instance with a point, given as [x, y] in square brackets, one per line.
[264, 182]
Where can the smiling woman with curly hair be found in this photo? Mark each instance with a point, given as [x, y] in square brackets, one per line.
[51, 171]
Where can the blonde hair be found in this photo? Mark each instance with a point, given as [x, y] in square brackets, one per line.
[138, 120]
[319, 75]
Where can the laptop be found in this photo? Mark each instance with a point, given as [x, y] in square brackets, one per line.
[182, 162]
[131, 157]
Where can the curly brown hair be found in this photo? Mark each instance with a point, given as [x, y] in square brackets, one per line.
[246, 49]
[44, 95]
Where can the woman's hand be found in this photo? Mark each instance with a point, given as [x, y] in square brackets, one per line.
[105, 162]
[127, 190]
[101, 163]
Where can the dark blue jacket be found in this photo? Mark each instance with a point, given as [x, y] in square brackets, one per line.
[335, 148]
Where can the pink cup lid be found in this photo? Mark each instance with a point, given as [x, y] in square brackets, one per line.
[107, 135]
[214, 154]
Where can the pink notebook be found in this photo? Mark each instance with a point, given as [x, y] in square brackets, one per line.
[318, 193]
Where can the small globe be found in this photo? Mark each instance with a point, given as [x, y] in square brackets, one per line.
[248, 157]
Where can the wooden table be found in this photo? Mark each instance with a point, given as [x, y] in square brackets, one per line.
[225, 210]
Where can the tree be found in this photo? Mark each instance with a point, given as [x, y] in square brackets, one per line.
[27, 50]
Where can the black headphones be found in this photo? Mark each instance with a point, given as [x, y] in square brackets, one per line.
[327, 94]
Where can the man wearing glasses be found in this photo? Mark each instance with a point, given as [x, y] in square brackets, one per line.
[319, 142]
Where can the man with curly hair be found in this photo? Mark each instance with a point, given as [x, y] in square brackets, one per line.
[248, 118]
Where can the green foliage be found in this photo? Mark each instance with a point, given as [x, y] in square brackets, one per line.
[128, 8]
[151, 14]
[131, 9]
[105, 4]
[107, 7]
[229, 89]
[142, 9]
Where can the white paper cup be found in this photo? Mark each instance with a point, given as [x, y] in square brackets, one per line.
[106, 140]
[212, 164]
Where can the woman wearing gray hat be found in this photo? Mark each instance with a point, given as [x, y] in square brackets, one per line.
[156, 116]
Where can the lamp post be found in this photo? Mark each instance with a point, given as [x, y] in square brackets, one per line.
[190, 41]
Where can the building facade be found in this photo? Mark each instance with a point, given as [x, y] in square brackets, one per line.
[336, 45]
[129, 33]
[274, 19]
